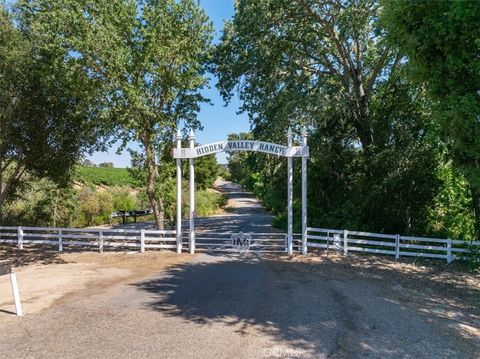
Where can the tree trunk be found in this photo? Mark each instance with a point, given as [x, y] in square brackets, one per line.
[152, 175]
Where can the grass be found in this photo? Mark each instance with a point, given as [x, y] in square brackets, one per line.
[105, 176]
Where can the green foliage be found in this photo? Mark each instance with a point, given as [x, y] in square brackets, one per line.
[147, 57]
[206, 171]
[93, 207]
[123, 200]
[208, 203]
[105, 176]
[50, 114]
[43, 203]
[374, 151]
[448, 217]
[223, 171]
[441, 40]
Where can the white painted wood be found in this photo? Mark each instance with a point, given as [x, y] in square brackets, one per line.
[142, 241]
[240, 145]
[60, 241]
[373, 243]
[424, 239]
[422, 247]
[325, 230]
[163, 239]
[397, 247]
[191, 242]
[345, 242]
[20, 237]
[16, 294]
[449, 250]
[324, 238]
[152, 231]
[472, 243]
[373, 235]
[289, 196]
[100, 242]
[179, 194]
[371, 250]
[426, 248]
[304, 193]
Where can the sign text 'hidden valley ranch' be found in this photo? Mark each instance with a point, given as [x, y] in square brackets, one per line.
[230, 146]
[240, 145]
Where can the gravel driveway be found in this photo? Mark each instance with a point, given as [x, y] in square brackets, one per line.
[246, 306]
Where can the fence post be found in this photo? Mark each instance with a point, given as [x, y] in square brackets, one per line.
[60, 240]
[20, 237]
[397, 247]
[16, 294]
[142, 241]
[100, 242]
[345, 242]
[449, 250]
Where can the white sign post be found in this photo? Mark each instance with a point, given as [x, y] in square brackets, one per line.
[191, 239]
[304, 193]
[179, 194]
[288, 151]
[289, 196]
[6, 269]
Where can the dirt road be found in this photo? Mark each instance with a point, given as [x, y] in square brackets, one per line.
[254, 306]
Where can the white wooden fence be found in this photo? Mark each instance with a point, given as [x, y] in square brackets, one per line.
[93, 238]
[389, 244]
[341, 240]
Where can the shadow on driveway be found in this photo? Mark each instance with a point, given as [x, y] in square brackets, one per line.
[308, 306]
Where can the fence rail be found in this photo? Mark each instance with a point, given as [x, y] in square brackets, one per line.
[83, 237]
[389, 244]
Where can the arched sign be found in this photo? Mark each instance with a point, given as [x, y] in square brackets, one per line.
[288, 151]
[240, 145]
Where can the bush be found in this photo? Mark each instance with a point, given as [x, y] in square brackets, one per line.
[208, 203]
[94, 207]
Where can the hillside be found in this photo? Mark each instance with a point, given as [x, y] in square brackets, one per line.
[105, 176]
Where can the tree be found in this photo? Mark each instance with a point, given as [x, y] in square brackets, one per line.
[46, 118]
[328, 65]
[441, 40]
[293, 59]
[87, 163]
[106, 164]
[206, 171]
[148, 56]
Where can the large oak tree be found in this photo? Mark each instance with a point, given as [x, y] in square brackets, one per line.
[442, 42]
[148, 56]
[49, 110]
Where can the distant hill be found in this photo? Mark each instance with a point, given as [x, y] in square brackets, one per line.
[105, 176]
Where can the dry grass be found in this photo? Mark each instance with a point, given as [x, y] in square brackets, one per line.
[49, 277]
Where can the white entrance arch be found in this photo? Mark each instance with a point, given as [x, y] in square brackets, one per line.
[288, 151]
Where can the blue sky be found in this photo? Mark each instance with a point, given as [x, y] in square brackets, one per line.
[217, 120]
